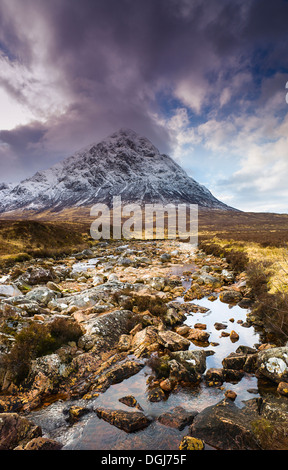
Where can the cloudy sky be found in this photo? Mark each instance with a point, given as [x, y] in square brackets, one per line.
[205, 81]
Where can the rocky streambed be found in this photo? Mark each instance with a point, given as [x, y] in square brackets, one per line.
[168, 354]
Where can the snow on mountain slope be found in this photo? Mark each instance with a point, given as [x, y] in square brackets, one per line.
[124, 164]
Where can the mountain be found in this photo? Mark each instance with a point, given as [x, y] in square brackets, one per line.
[124, 164]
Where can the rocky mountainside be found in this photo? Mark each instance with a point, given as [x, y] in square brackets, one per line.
[124, 164]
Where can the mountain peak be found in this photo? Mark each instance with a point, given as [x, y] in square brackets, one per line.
[124, 164]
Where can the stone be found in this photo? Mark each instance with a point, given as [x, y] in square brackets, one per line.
[194, 361]
[124, 343]
[177, 418]
[41, 443]
[195, 334]
[131, 401]
[234, 336]
[37, 275]
[173, 341]
[273, 364]
[126, 420]
[191, 443]
[15, 429]
[283, 388]
[231, 395]
[9, 290]
[230, 297]
[225, 427]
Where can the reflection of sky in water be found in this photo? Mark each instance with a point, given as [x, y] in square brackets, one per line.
[97, 434]
[92, 433]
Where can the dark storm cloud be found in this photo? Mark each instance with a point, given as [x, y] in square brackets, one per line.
[113, 58]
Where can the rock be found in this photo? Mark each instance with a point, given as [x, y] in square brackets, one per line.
[116, 374]
[124, 343]
[99, 279]
[156, 394]
[173, 317]
[191, 443]
[195, 361]
[195, 334]
[234, 336]
[177, 418]
[131, 401]
[144, 340]
[173, 341]
[126, 420]
[86, 342]
[214, 376]
[38, 275]
[273, 364]
[42, 295]
[230, 297]
[9, 290]
[76, 412]
[231, 395]
[179, 372]
[225, 427]
[220, 326]
[108, 328]
[283, 389]
[166, 385]
[165, 257]
[41, 443]
[157, 283]
[16, 430]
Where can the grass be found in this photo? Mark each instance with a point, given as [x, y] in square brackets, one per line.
[22, 240]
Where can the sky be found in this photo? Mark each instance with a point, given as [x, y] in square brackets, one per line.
[205, 81]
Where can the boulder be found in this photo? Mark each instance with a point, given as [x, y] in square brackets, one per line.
[15, 430]
[230, 296]
[273, 364]
[128, 421]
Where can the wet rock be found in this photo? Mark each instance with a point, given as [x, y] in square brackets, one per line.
[177, 418]
[76, 412]
[191, 443]
[230, 297]
[227, 427]
[116, 374]
[195, 334]
[173, 341]
[144, 341]
[126, 420]
[131, 401]
[16, 430]
[124, 343]
[179, 372]
[173, 317]
[283, 388]
[273, 364]
[41, 443]
[166, 385]
[231, 395]
[220, 326]
[214, 376]
[193, 360]
[156, 394]
[234, 336]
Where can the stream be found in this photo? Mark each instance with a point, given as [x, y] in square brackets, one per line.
[92, 433]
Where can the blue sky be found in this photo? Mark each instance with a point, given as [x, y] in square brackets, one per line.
[204, 81]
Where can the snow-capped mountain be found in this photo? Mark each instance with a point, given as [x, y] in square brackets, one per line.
[124, 164]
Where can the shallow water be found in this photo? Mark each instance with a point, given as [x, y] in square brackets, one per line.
[95, 434]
